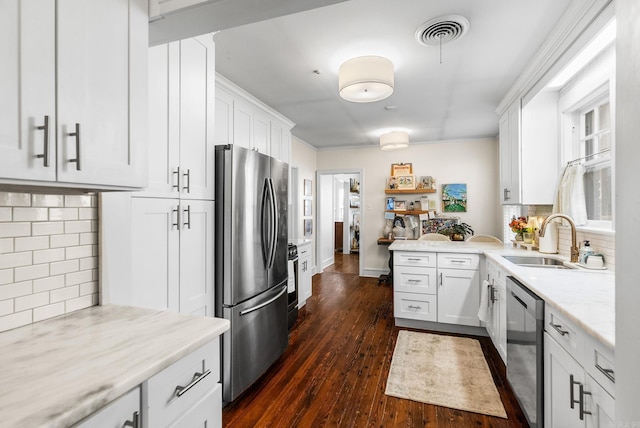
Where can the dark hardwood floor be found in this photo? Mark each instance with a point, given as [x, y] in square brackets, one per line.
[335, 369]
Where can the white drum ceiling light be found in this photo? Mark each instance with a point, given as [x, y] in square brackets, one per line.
[365, 79]
[394, 140]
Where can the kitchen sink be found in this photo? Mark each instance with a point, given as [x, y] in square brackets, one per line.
[538, 261]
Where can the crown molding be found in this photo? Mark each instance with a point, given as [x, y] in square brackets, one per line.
[580, 14]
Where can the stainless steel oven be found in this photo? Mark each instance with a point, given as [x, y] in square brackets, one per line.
[525, 329]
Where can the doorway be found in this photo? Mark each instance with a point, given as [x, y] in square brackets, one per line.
[339, 206]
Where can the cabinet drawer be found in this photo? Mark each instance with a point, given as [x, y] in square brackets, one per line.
[458, 261]
[163, 402]
[415, 306]
[567, 334]
[206, 413]
[600, 364]
[117, 413]
[411, 279]
[304, 250]
[410, 258]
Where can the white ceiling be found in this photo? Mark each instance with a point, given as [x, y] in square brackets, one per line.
[274, 60]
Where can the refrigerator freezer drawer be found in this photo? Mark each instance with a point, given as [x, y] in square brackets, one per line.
[258, 336]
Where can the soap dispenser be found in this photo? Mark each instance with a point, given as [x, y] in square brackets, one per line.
[585, 252]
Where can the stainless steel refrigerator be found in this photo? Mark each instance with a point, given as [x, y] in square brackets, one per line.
[251, 263]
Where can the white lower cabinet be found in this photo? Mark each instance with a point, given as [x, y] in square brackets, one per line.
[122, 412]
[178, 395]
[578, 377]
[497, 308]
[304, 273]
[442, 287]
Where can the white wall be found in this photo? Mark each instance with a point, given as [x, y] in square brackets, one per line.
[627, 213]
[472, 162]
[325, 227]
[303, 156]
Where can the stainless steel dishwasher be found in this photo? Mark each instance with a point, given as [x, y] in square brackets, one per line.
[525, 329]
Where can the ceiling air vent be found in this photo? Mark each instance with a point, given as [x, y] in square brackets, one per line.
[445, 29]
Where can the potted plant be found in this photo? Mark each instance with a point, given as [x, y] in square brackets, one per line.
[458, 232]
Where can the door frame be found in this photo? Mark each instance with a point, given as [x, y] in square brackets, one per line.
[322, 199]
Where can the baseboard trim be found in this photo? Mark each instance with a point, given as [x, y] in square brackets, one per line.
[442, 327]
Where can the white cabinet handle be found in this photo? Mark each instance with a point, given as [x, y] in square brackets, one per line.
[197, 377]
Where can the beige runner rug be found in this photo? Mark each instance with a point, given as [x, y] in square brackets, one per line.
[443, 370]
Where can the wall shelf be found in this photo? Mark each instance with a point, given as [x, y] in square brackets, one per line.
[408, 212]
[408, 191]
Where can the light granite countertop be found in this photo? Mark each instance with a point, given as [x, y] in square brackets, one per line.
[56, 372]
[586, 297]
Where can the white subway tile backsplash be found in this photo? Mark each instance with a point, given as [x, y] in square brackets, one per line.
[88, 238]
[47, 200]
[48, 228]
[58, 241]
[31, 301]
[6, 245]
[48, 283]
[11, 199]
[30, 214]
[56, 214]
[78, 200]
[31, 272]
[87, 214]
[6, 307]
[78, 226]
[48, 256]
[16, 289]
[67, 266]
[80, 303]
[17, 319]
[79, 277]
[60, 294]
[6, 214]
[31, 243]
[49, 311]
[12, 230]
[6, 276]
[12, 260]
[79, 252]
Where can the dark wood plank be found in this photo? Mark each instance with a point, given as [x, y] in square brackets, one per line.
[334, 372]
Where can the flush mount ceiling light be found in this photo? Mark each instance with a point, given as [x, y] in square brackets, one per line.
[394, 140]
[365, 79]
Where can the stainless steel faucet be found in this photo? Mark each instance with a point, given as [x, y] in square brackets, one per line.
[574, 245]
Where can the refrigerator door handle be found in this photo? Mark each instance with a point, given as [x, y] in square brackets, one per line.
[274, 220]
[263, 304]
[264, 240]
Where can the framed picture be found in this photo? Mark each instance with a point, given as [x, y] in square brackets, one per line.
[425, 182]
[400, 205]
[392, 183]
[406, 182]
[454, 198]
[307, 207]
[307, 187]
[389, 205]
[401, 169]
[308, 227]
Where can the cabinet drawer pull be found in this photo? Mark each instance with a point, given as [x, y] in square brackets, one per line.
[413, 259]
[45, 154]
[557, 328]
[609, 373]
[77, 158]
[457, 261]
[414, 281]
[134, 422]
[417, 308]
[197, 377]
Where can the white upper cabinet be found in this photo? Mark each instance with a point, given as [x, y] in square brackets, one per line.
[243, 120]
[510, 155]
[27, 90]
[91, 84]
[181, 119]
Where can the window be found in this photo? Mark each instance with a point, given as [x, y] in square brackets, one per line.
[595, 144]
